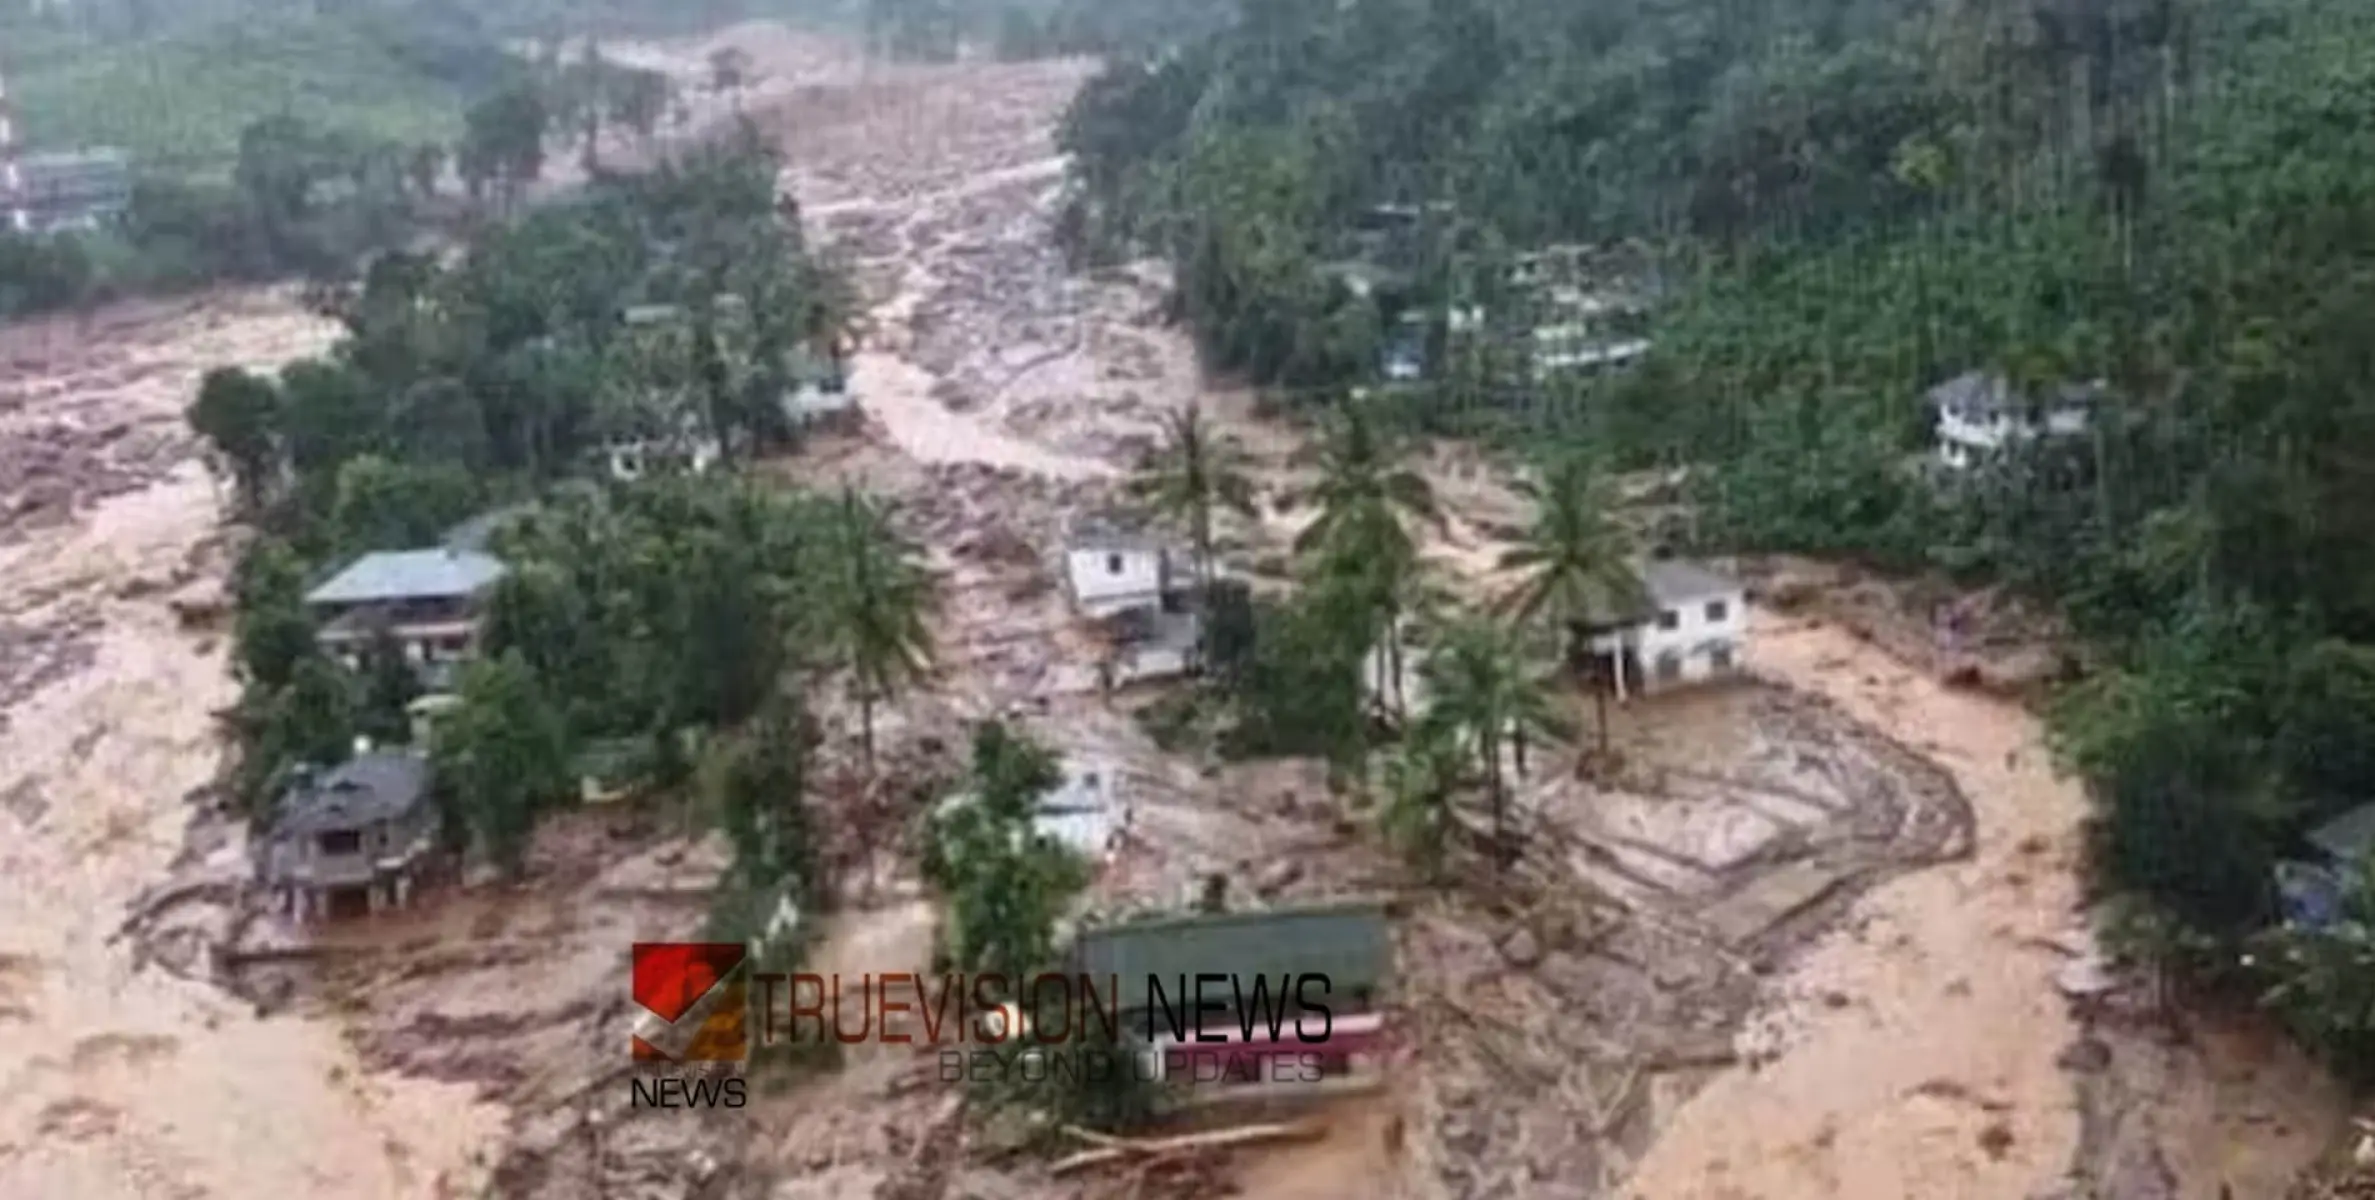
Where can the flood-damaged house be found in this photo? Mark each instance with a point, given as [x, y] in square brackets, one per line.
[352, 839]
[1289, 998]
[1138, 589]
[1982, 414]
[427, 601]
[1690, 624]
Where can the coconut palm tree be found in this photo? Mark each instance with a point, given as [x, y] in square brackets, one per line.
[1361, 538]
[1417, 816]
[1191, 474]
[1578, 562]
[1482, 696]
[881, 598]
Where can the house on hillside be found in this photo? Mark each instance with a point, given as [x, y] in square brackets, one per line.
[1693, 627]
[428, 600]
[1980, 414]
[60, 192]
[350, 840]
[1336, 957]
[1138, 589]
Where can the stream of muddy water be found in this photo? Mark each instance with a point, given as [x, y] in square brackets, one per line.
[117, 1080]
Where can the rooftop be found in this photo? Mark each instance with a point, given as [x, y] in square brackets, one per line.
[1347, 942]
[1114, 529]
[371, 787]
[441, 574]
[1990, 394]
[1675, 581]
[2348, 837]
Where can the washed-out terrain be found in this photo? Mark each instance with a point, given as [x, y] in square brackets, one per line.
[1805, 941]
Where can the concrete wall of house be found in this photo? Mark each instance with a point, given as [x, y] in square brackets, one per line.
[1686, 643]
[1693, 641]
[1964, 440]
[1106, 582]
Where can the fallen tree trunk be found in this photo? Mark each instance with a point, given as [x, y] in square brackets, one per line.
[1116, 1149]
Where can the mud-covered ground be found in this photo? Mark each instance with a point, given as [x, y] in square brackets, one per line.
[1803, 943]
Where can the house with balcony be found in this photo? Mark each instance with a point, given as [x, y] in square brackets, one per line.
[1982, 414]
[1137, 589]
[1691, 627]
[428, 601]
[350, 840]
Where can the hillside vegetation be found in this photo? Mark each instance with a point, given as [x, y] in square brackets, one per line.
[1840, 204]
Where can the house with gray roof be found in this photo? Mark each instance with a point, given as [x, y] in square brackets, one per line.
[1980, 413]
[350, 840]
[1688, 624]
[428, 601]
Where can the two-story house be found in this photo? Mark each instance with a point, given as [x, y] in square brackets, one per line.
[351, 840]
[1138, 590]
[1981, 413]
[427, 600]
[1694, 627]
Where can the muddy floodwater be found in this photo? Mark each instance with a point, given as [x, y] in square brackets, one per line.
[117, 1081]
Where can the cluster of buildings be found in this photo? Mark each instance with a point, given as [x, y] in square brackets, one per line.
[58, 192]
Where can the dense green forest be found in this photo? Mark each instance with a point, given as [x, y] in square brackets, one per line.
[312, 188]
[1837, 205]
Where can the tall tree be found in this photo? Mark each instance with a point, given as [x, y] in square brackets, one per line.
[239, 416]
[1360, 538]
[503, 753]
[1579, 562]
[1193, 473]
[882, 599]
[1484, 698]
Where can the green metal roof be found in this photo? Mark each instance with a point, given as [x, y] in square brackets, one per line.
[1349, 943]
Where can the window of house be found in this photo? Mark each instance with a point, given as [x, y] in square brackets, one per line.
[1721, 657]
[1669, 619]
[341, 841]
[1669, 666]
[1113, 564]
[1717, 610]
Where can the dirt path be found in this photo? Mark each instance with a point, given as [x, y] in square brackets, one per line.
[1937, 1077]
[114, 1080]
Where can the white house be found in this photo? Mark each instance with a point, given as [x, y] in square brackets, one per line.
[1137, 588]
[1694, 628]
[1979, 414]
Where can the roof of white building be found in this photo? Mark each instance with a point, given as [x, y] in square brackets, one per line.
[1673, 581]
[1988, 394]
[1115, 530]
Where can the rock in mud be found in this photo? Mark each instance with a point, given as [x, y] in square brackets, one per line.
[1522, 949]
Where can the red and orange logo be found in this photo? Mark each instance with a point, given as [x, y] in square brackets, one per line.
[694, 1000]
